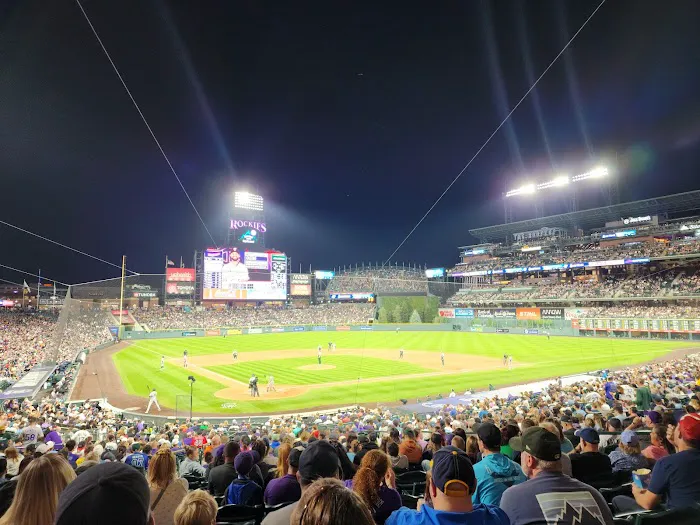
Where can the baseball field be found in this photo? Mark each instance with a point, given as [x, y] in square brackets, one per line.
[364, 368]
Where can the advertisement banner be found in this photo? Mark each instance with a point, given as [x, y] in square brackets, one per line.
[502, 330]
[180, 275]
[552, 313]
[484, 313]
[320, 328]
[477, 329]
[298, 329]
[448, 313]
[342, 328]
[189, 334]
[144, 295]
[575, 313]
[504, 313]
[276, 329]
[255, 330]
[366, 328]
[114, 330]
[464, 312]
[179, 289]
[532, 331]
[266, 329]
[233, 332]
[300, 289]
[212, 333]
[527, 314]
[300, 278]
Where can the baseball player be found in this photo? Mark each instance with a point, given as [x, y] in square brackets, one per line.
[442, 358]
[271, 384]
[401, 353]
[162, 362]
[153, 398]
[318, 356]
[184, 358]
[235, 355]
[510, 362]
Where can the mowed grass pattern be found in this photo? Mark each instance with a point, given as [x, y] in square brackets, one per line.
[138, 365]
[347, 368]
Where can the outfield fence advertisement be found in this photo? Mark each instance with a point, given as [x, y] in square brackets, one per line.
[639, 325]
[233, 275]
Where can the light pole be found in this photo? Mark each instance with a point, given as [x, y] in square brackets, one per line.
[191, 379]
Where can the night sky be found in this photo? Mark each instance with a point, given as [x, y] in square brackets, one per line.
[350, 118]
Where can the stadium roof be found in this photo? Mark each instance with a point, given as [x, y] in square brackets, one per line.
[594, 217]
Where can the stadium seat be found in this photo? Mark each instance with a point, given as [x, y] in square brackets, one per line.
[610, 492]
[409, 500]
[412, 482]
[195, 482]
[240, 515]
[273, 508]
[689, 516]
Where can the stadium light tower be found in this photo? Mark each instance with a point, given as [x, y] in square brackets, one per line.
[248, 201]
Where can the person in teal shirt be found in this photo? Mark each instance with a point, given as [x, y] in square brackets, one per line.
[495, 472]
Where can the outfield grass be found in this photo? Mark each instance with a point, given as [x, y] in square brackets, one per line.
[139, 365]
[286, 371]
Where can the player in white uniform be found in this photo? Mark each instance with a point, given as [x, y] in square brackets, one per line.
[153, 398]
[442, 358]
[271, 384]
[318, 356]
[162, 362]
[184, 358]
[233, 272]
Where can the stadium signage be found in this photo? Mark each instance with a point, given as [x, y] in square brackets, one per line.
[276, 329]
[552, 313]
[690, 227]
[189, 334]
[502, 330]
[637, 220]
[212, 332]
[300, 289]
[300, 278]
[531, 248]
[322, 274]
[145, 295]
[620, 234]
[179, 289]
[432, 273]
[7, 303]
[180, 275]
[140, 286]
[464, 312]
[298, 329]
[255, 330]
[342, 328]
[260, 226]
[448, 313]
[366, 328]
[484, 313]
[531, 331]
[471, 253]
[320, 328]
[504, 313]
[525, 314]
[233, 332]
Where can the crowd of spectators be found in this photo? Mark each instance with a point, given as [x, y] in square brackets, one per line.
[487, 458]
[586, 252]
[388, 279]
[170, 317]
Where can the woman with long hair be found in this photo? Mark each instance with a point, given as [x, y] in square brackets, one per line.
[38, 490]
[14, 458]
[472, 448]
[167, 490]
[375, 483]
[628, 456]
[327, 502]
[436, 443]
[282, 457]
[660, 446]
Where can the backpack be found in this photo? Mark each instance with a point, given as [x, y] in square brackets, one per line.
[236, 492]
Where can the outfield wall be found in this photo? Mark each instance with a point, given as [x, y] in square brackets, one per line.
[198, 332]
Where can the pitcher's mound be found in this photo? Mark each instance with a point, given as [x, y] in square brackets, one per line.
[315, 367]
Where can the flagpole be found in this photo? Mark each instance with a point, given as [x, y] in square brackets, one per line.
[38, 291]
[121, 295]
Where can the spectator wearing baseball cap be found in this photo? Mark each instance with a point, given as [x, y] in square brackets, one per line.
[495, 472]
[628, 456]
[243, 491]
[318, 460]
[109, 493]
[451, 484]
[675, 477]
[588, 464]
[286, 488]
[549, 493]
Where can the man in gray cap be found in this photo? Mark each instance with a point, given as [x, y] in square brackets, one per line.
[318, 460]
[106, 494]
[549, 495]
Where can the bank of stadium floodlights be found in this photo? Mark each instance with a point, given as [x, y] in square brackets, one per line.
[247, 201]
[559, 181]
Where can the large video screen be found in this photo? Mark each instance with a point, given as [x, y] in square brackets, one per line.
[230, 274]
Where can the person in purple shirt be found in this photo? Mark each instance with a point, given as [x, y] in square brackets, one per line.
[55, 437]
[375, 483]
[286, 488]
